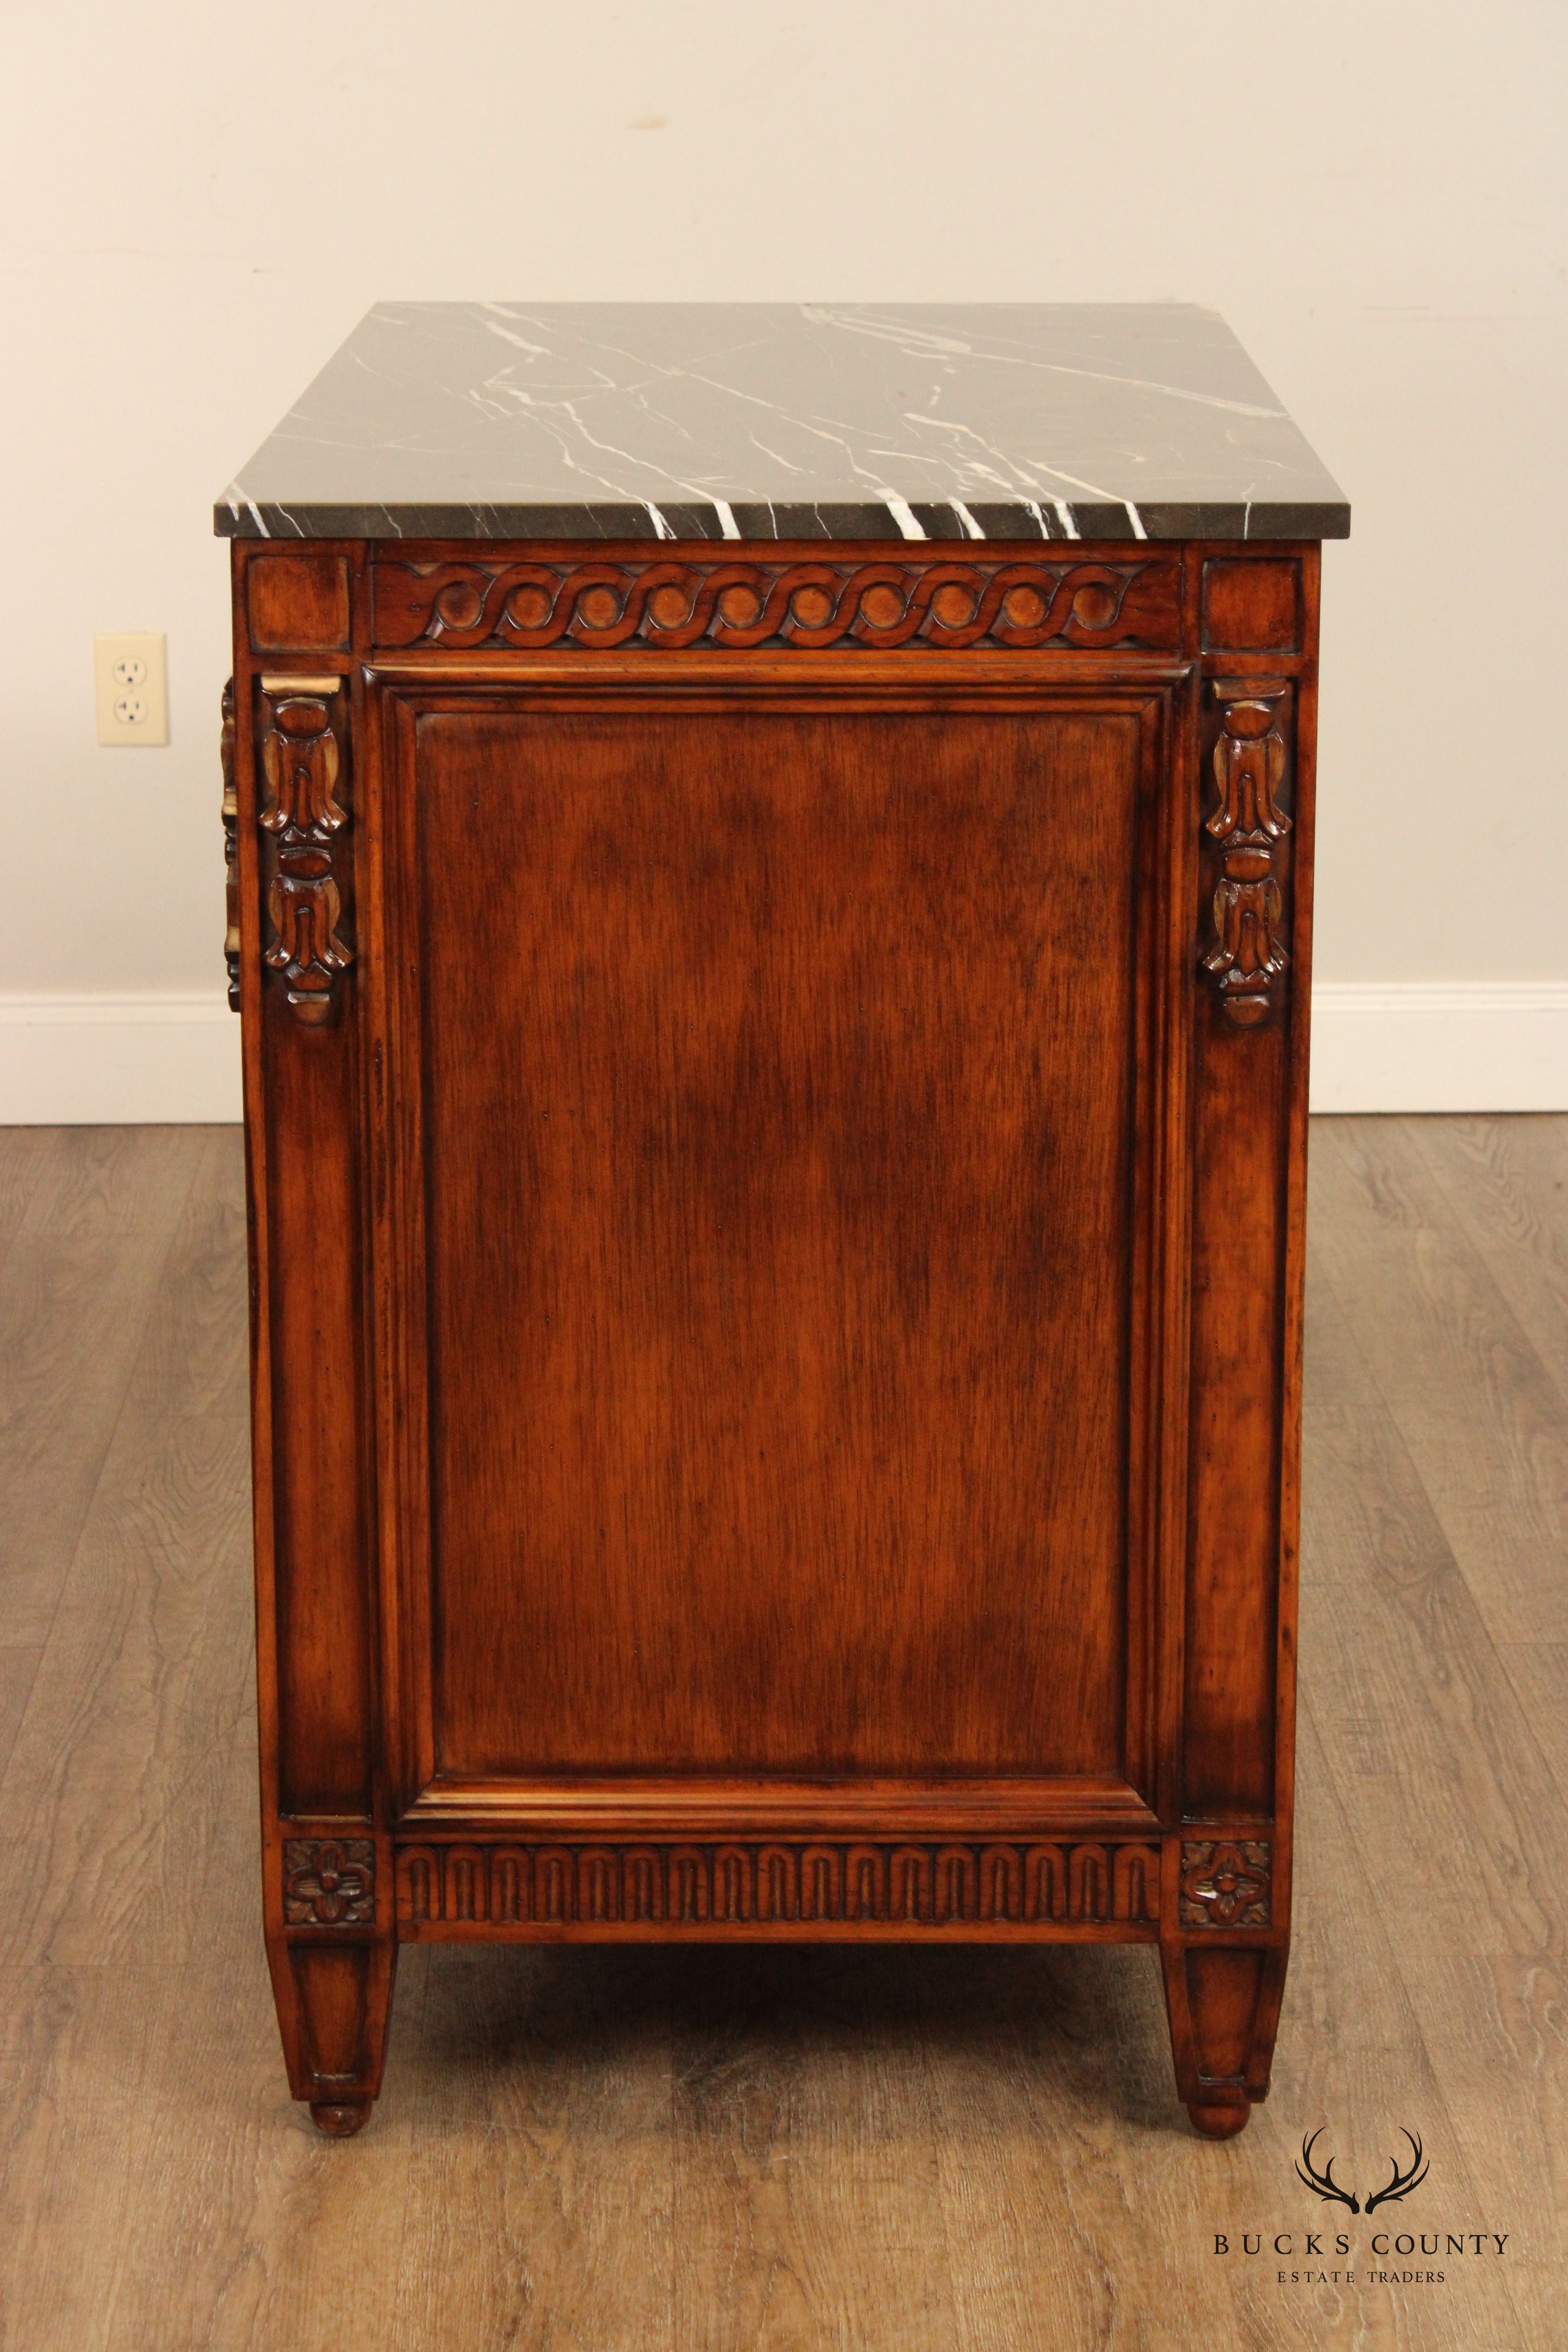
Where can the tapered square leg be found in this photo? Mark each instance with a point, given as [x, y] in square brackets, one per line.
[334, 2001]
[1223, 2003]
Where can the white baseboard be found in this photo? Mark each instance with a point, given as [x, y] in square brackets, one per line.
[1417, 1045]
[89, 1061]
[112, 1061]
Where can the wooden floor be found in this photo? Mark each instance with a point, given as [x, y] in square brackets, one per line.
[587, 2151]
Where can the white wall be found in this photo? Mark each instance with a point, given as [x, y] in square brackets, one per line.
[199, 201]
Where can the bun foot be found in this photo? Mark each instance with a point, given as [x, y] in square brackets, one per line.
[1219, 2123]
[340, 2121]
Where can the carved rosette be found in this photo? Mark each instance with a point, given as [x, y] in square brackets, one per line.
[777, 1884]
[742, 603]
[231, 944]
[1224, 1883]
[329, 1881]
[304, 811]
[1248, 958]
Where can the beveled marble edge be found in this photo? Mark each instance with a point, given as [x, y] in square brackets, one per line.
[242, 518]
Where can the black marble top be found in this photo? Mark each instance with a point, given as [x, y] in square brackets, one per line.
[512, 420]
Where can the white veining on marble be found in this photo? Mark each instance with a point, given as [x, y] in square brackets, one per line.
[607, 383]
[911, 339]
[733, 421]
[235, 498]
[903, 514]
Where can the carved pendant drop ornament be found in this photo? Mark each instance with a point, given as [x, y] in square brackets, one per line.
[1248, 958]
[304, 811]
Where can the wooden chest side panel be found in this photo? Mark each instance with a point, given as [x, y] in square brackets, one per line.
[323, 1587]
[779, 1074]
[296, 795]
[1238, 1230]
[1249, 1167]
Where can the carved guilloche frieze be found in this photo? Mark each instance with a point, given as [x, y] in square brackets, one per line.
[304, 812]
[1248, 958]
[742, 603]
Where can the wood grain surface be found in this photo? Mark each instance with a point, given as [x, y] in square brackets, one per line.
[608, 2149]
[726, 1101]
[785, 1213]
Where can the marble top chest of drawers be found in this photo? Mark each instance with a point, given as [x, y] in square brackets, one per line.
[770, 891]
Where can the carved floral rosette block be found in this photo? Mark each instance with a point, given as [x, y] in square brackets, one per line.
[1226, 1882]
[1248, 959]
[304, 810]
[742, 604]
[329, 1881]
[777, 1883]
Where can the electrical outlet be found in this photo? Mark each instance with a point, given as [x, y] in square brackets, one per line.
[133, 687]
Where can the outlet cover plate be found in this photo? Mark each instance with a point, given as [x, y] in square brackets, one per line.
[131, 682]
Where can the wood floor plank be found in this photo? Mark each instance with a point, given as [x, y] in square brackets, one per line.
[17, 1668]
[1364, 2069]
[1349, 2057]
[77, 1286]
[74, 2056]
[1344, 1991]
[244, 2229]
[665, 2149]
[1506, 1181]
[1538, 1674]
[145, 1675]
[864, 2155]
[1482, 1418]
[808, 2206]
[71, 1320]
[98, 1182]
[1497, 2028]
[1417, 1715]
[31, 1158]
[1060, 2142]
[541, 2183]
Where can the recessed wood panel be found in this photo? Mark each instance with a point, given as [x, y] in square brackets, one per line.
[779, 1099]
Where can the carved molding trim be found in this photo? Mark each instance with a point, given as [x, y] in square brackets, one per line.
[776, 1883]
[1224, 1883]
[875, 605]
[329, 1881]
[304, 811]
[1248, 957]
[231, 943]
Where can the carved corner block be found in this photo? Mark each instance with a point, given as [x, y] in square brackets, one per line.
[297, 603]
[1248, 958]
[1226, 1882]
[305, 811]
[329, 1881]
